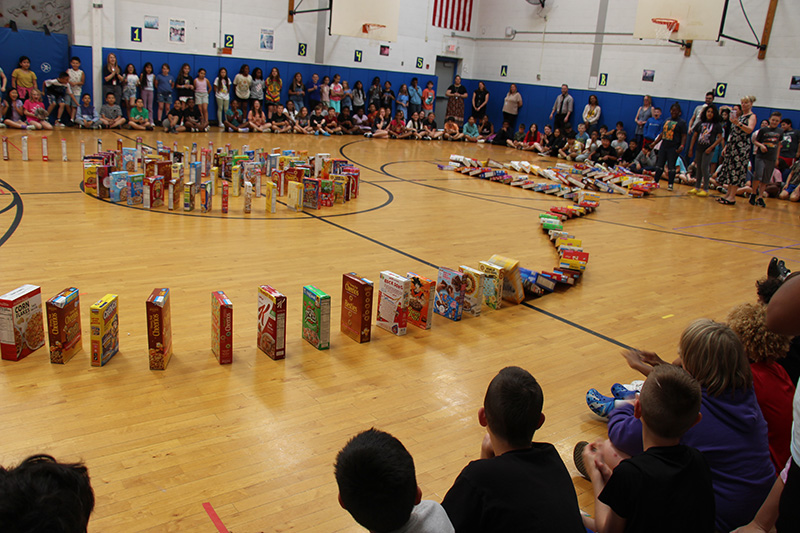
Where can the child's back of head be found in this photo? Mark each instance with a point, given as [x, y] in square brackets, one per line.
[714, 356]
[377, 481]
[513, 406]
[670, 401]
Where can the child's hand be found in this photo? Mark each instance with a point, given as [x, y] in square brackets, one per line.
[636, 360]
[763, 148]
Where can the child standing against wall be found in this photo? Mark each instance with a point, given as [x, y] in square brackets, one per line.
[201, 89]
[164, 84]
[147, 81]
[76, 80]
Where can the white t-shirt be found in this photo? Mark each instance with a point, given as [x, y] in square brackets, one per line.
[221, 89]
[132, 80]
[149, 82]
[427, 517]
[75, 77]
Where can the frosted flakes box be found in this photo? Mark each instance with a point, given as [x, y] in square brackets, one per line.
[159, 329]
[222, 327]
[357, 293]
[393, 292]
[271, 197]
[311, 192]
[316, 317]
[119, 186]
[494, 277]
[206, 196]
[135, 189]
[21, 322]
[153, 192]
[420, 301]
[271, 322]
[175, 195]
[449, 296]
[473, 289]
[104, 322]
[295, 200]
[512, 283]
[64, 325]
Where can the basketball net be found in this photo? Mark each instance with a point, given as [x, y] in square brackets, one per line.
[665, 28]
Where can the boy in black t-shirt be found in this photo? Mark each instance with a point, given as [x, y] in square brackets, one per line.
[668, 487]
[673, 139]
[517, 485]
[767, 144]
[605, 153]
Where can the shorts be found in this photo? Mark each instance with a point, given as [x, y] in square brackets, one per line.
[200, 98]
[55, 99]
[763, 169]
[128, 92]
[164, 98]
[77, 99]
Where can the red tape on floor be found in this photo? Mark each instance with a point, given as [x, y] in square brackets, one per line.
[212, 514]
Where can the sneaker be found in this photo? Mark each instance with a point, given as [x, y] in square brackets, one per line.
[599, 404]
[481, 141]
[316, 132]
[244, 130]
[621, 392]
[721, 189]
[569, 158]
[669, 187]
[30, 127]
[692, 191]
[339, 133]
[206, 128]
[752, 199]
[326, 134]
[577, 457]
[702, 194]
[761, 203]
[96, 127]
[777, 269]
[59, 124]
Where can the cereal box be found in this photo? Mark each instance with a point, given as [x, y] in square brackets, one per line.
[175, 195]
[153, 194]
[316, 317]
[176, 172]
[119, 187]
[512, 283]
[159, 329]
[311, 192]
[222, 327]
[248, 197]
[236, 180]
[271, 322]
[272, 163]
[90, 179]
[64, 325]
[326, 193]
[340, 190]
[473, 289]
[195, 174]
[224, 197]
[420, 302]
[319, 162]
[449, 298]
[206, 196]
[294, 174]
[104, 181]
[494, 276]
[135, 189]
[295, 201]
[271, 197]
[356, 307]
[21, 322]
[215, 178]
[104, 321]
[393, 291]
[189, 194]
[129, 159]
[279, 179]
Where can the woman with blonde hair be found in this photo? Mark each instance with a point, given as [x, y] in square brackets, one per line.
[736, 154]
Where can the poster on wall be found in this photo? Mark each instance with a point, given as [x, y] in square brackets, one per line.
[267, 41]
[648, 75]
[150, 23]
[795, 83]
[177, 31]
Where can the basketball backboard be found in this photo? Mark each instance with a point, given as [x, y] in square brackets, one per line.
[349, 17]
[699, 20]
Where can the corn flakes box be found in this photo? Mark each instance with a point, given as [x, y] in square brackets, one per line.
[295, 200]
[119, 186]
[316, 317]
[393, 293]
[135, 189]
[21, 322]
[357, 293]
[104, 322]
[222, 327]
[311, 193]
[64, 325]
[512, 283]
[271, 322]
[175, 195]
[159, 329]
[449, 295]
[236, 180]
[494, 277]
[224, 197]
[473, 289]
[189, 195]
[420, 301]
[271, 197]
[279, 179]
[153, 193]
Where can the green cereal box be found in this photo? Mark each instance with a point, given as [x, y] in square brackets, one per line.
[316, 317]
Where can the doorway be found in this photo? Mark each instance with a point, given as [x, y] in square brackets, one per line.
[446, 70]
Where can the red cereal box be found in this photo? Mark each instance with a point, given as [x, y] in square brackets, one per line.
[222, 327]
[357, 307]
[159, 329]
[21, 322]
[279, 179]
[153, 192]
[271, 322]
[64, 325]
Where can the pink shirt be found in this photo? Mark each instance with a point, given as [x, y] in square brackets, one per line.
[30, 106]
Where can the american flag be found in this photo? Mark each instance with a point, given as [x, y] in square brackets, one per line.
[452, 14]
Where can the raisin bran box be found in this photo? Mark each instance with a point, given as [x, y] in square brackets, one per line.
[64, 325]
[271, 322]
[222, 327]
[104, 322]
[21, 322]
[357, 295]
[175, 195]
[153, 192]
[494, 277]
[393, 293]
[316, 317]
[449, 296]
[159, 329]
[420, 301]
[473, 290]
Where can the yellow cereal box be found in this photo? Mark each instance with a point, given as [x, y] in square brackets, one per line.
[271, 197]
[512, 284]
[473, 289]
[104, 322]
[295, 201]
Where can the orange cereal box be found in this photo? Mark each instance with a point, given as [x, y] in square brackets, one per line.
[420, 301]
[21, 322]
[222, 327]
[64, 325]
[271, 322]
[159, 329]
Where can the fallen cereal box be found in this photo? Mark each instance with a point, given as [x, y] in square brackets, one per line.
[271, 322]
[21, 322]
[473, 289]
[393, 293]
[159, 329]
[104, 322]
[449, 297]
[420, 302]
[512, 284]
[357, 295]
[316, 317]
[64, 325]
[222, 327]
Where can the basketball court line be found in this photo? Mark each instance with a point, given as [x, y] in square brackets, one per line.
[16, 202]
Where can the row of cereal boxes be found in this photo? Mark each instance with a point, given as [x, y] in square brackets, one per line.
[402, 300]
[175, 179]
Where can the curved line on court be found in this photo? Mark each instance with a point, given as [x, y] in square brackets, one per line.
[15, 202]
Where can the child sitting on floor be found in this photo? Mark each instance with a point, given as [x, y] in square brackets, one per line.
[378, 487]
[111, 114]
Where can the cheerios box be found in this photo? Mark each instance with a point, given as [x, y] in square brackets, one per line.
[104, 322]
[316, 317]
[64, 325]
[222, 327]
[159, 329]
[393, 291]
[21, 322]
[271, 322]
[357, 298]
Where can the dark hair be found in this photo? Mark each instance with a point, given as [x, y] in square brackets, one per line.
[620, 124]
[767, 287]
[377, 481]
[244, 66]
[715, 118]
[376, 80]
[677, 106]
[596, 101]
[74, 58]
[63, 75]
[670, 401]
[23, 58]
[513, 406]
[710, 93]
[257, 73]
[787, 121]
[42, 494]
[656, 109]
[201, 69]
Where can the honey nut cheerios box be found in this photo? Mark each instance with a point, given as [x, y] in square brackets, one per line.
[316, 317]
[271, 322]
[64, 325]
[104, 322]
[159, 329]
[21, 322]
[222, 327]
[357, 295]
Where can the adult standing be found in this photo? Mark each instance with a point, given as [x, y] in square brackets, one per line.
[644, 112]
[297, 92]
[591, 114]
[456, 94]
[112, 78]
[698, 113]
[563, 107]
[511, 106]
[736, 154]
[479, 100]
[415, 97]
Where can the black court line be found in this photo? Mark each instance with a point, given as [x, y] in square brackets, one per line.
[49, 192]
[16, 202]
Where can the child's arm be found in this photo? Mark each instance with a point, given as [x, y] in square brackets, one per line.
[716, 143]
[5, 80]
[691, 144]
[767, 515]
[606, 520]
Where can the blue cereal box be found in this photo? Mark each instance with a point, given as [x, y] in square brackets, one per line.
[449, 297]
[119, 186]
[135, 189]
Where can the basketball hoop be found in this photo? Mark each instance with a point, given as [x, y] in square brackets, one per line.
[665, 28]
[366, 28]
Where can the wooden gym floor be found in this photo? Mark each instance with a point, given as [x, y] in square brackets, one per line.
[257, 439]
